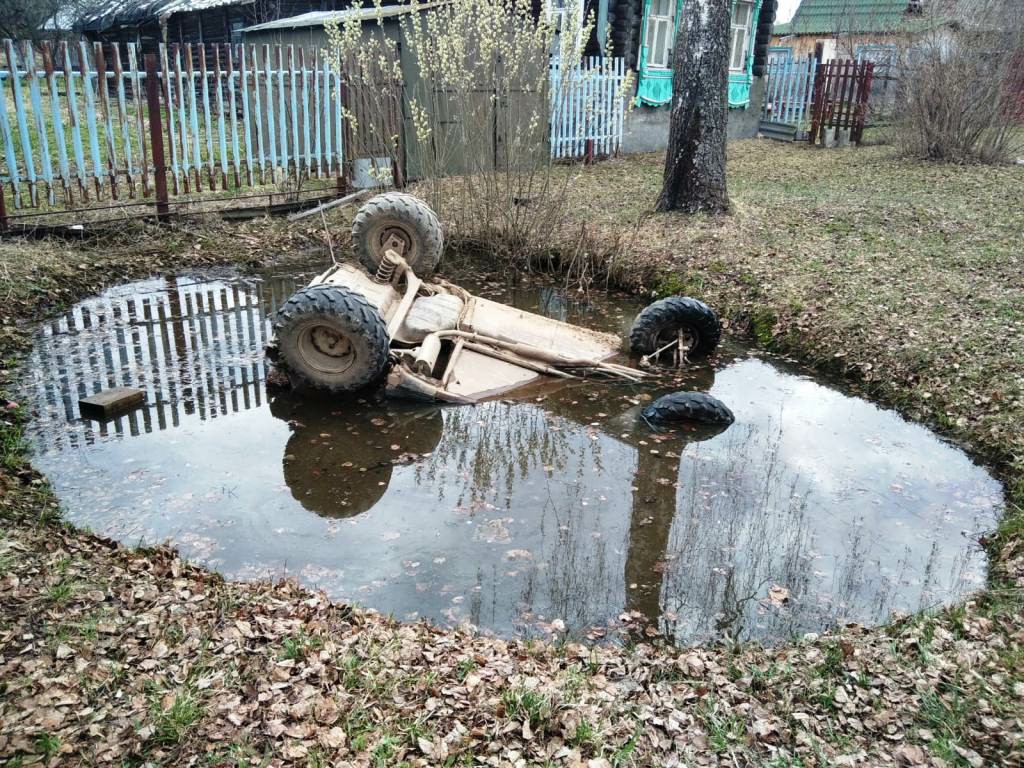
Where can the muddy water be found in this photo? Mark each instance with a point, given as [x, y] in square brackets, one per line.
[556, 507]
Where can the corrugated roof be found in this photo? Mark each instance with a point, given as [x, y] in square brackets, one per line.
[319, 18]
[817, 17]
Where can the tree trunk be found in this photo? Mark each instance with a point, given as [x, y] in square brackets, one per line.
[695, 163]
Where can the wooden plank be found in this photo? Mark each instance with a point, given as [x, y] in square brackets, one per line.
[293, 86]
[122, 116]
[140, 130]
[74, 120]
[172, 138]
[307, 144]
[110, 403]
[35, 97]
[193, 119]
[207, 123]
[316, 111]
[179, 83]
[327, 114]
[271, 117]
[221, 125]
[282, 111]
[58, 123]
[22, 120]
[231, 52]
[108, 120]
[12, 163]
[246, 67]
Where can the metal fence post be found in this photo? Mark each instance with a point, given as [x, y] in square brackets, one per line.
[156, 137]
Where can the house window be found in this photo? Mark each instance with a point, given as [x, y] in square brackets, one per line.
[236, 30]
[882, 56]
[742, 14]
[659, 33]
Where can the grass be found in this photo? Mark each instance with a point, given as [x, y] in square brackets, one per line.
[528, 706]
[172, 721]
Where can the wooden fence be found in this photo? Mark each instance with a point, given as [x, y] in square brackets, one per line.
[789, 85]
[841, 91]
[85, 124]
[587, 107]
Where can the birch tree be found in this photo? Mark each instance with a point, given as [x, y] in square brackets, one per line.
[695, 162]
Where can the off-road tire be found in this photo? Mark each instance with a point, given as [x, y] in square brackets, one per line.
[688, 406]
[406, 215]
[310, 326]
[673, 314]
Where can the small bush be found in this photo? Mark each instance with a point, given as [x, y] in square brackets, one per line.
[961, 94]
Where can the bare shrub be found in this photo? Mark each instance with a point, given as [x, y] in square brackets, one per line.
[479, 105]
[960, 94]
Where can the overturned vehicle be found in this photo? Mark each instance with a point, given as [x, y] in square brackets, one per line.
[386, 320]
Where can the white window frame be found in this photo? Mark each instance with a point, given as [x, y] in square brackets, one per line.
[660, 59]
[740, 34]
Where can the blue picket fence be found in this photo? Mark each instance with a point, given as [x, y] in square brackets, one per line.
[74, 119]
[789, 88]
[587, 107]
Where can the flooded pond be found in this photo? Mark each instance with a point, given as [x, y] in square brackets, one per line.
[558, 507]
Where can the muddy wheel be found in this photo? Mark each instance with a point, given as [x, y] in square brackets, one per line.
[688, 406]
[687, 320]
[332, 339]
[408, 218]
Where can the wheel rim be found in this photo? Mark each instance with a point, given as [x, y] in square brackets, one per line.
[326, 349]
[686, 340]
[385, 232]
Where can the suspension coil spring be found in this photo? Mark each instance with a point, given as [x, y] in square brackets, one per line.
[385, 270]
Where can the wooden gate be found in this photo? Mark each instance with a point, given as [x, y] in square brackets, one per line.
[789, 85]
[841, 91]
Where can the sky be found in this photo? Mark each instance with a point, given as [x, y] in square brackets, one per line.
[786, 10]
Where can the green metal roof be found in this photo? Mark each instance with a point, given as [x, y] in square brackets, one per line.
[817, 17]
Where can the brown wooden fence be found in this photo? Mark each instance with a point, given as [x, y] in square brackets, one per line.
[841, 91]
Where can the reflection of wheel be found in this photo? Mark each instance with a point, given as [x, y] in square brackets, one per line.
[688, 406]
[340, 456]
[404, 216]
[331, 338]
[690, 321]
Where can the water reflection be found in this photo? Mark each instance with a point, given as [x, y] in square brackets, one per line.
[556, 504]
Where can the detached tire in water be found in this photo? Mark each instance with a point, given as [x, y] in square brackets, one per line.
[674, 317]
[407, 217]
[697, 407]
[331, 339]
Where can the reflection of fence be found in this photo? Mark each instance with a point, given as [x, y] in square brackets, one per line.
[587, 108]
[193, 347]
[788, 88]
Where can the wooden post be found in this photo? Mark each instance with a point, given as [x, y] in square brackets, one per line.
[347, 168]
[817, 101]
[3, 211]
[156, 137]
